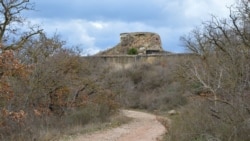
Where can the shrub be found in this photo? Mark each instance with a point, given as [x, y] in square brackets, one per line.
[199, 122]
[147, 86]
[163, 99]
[84, 115]
[132, 51]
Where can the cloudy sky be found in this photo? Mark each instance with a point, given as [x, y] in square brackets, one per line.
[95, 25]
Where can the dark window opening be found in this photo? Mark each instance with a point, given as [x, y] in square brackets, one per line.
[152, 51]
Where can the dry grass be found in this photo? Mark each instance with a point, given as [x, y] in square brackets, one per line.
[164, 121]
[196, 122]
[114, 121]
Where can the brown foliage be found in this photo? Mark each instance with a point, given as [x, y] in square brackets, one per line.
[43, 85]
[9, 67]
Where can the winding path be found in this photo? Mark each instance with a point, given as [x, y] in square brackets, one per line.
[143, 127]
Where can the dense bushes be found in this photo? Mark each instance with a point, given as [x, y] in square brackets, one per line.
[147, 86]
[219, 75]
[47, 88]
[199, 122]
[61, 88]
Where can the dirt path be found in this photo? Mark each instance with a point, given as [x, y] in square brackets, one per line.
[143, 127]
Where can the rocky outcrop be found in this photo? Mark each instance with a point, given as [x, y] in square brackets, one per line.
[143, 42]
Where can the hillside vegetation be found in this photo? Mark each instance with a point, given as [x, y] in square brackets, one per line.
[220, 76]
[48, 90]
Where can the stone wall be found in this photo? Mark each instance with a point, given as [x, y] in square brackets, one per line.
[124, 61]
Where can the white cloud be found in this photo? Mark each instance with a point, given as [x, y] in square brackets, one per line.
[94, 36]
[175, 19]
[75, 32]
[215, 7]
[196, 10]
[98, 25]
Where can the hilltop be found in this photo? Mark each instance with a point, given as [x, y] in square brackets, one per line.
[142, 42]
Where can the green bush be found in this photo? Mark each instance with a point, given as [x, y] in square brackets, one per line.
[132, 51]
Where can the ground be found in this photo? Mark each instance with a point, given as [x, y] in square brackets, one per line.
[143, 127]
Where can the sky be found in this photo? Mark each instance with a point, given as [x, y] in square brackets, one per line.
[95, 25]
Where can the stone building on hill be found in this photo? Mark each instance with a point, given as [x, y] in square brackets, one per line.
[143, 42]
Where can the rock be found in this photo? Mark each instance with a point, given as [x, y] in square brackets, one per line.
[172, 112]
[143, 42]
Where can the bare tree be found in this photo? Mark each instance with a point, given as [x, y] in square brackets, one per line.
[222, 67]
[38, 49]
[12, 24]
[15, 31]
